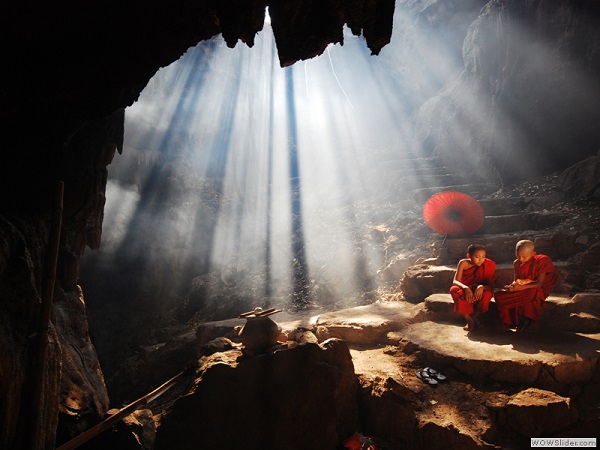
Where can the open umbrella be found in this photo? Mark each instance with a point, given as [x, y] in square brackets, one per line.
[453, 212]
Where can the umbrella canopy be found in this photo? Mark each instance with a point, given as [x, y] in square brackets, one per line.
[453, 212]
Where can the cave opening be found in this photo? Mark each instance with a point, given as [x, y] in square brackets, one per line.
[242, 183]
[246, 184]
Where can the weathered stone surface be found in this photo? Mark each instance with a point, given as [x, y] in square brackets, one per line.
[142, 425]
[421, 281]
[364, 324]
[208, 331]
[395, 269]
[506, 356]
[581, 313]
[385, 417]
[581, 179]
[152, 366]
[21, 251]
[302, 397]
[538, 413]
[83, 396]
[519, 222]
[577, 314]
[433, 434]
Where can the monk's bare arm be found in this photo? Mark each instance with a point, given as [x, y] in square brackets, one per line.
[462, 265]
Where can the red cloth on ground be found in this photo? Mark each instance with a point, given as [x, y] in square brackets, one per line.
[473, 277]
[527, 302]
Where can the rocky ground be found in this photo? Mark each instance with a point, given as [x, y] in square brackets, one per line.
[467, 410]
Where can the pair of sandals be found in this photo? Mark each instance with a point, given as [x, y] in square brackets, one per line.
[430, 376]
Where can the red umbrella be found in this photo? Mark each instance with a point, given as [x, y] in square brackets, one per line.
[453, 212]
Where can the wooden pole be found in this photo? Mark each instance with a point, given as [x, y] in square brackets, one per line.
[119, 415]
[40, 351]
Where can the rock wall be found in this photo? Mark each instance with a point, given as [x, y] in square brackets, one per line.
[527, 101]
[301, 397]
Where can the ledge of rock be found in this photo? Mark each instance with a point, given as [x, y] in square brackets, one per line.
[302, 396]
[539, 413]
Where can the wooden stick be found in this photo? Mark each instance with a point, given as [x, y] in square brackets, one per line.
[116, 417]
[259, 313]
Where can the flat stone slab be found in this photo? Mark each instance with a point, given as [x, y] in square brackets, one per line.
[578, 313]
[507, 356]
[367, 324]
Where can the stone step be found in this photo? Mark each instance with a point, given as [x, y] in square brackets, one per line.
[579, 313]
[522, 222]
[501, 247]
[502, 206]
[420, 281]
[515, 205]
[474, 190]
[549, 359]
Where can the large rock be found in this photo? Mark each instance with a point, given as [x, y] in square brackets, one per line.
[423, 280]
[538, 413]
[298, 398]
[83, 395]
[582, 178]
[365, 325]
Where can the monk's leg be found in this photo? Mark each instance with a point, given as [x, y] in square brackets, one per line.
[482, 306]
[462, 306]
[532, 311]
[509, 302]
[470, 322]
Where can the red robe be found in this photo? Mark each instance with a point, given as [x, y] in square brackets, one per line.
[473, 277]
[527, 302]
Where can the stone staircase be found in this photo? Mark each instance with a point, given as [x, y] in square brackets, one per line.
[507, 220]
[570, 318]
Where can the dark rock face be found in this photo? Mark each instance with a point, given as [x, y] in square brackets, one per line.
[583, 179]
[297, 398]
[526, 102]
[83, 395]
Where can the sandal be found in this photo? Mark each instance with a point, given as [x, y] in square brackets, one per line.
[426, 377]
[432, 373]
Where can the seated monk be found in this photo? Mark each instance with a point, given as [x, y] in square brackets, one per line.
[472, 286]
[520, 303]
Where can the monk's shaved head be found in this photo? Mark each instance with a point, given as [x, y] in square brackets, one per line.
[525, 245]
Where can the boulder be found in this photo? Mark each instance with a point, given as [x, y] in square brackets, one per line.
[83, 395]
[581, 179]
[423, 280]
[433, 434]
[299, 397]
[538, 413]
[369, 324]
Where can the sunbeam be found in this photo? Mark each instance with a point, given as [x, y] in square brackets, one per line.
[269, 177]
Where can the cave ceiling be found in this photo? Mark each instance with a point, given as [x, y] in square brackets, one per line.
[70, 63]
[93, 58]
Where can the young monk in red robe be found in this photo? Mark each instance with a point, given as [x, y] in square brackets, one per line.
[472, 286]
[520, 303]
